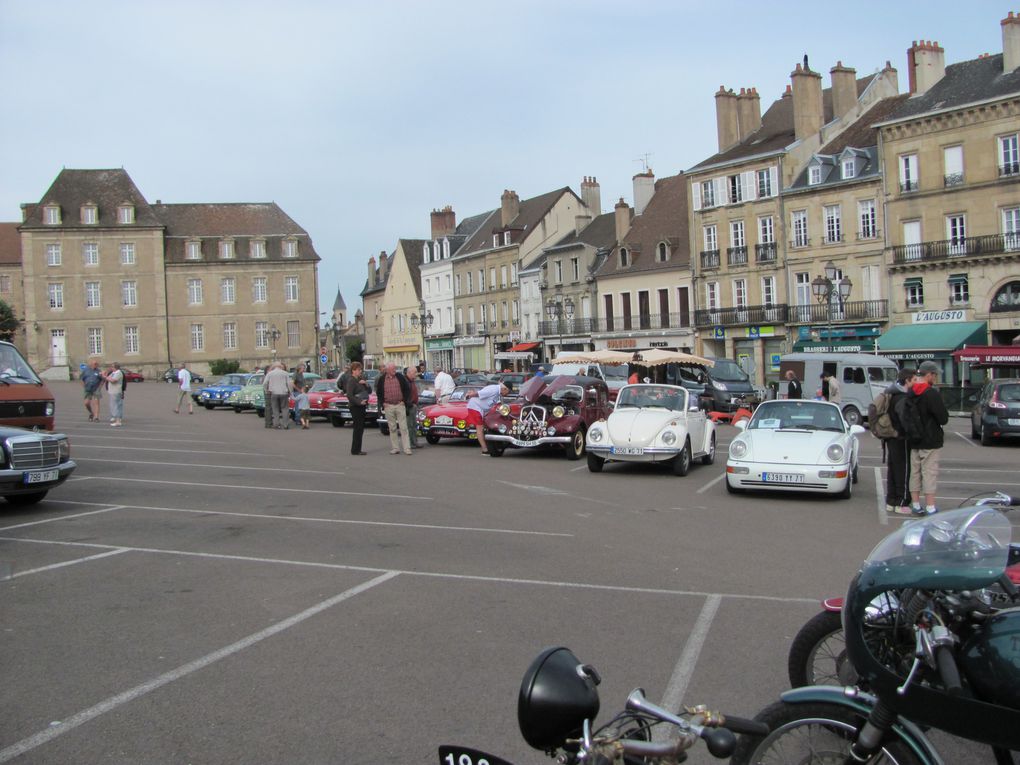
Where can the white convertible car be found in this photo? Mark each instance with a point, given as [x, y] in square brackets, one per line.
[795, 446]
[652, 423]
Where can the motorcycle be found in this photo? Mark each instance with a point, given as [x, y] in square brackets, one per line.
[817, 654]
[557, 705]
[947, 662]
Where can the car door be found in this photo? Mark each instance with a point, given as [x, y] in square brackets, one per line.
[695, 423]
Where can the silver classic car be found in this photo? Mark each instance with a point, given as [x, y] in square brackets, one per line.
[32, 463]
[653, 423]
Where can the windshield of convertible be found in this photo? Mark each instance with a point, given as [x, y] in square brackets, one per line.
[797, 415]
[653, 397]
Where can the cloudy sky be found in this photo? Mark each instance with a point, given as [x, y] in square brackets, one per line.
[360, 118]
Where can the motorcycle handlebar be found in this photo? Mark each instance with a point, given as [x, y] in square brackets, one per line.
[745, 726]
[949, 673]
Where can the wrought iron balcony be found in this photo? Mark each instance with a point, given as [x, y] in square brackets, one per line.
[857, 310]
[649, 321]
[729, 317]
[799, 243]
[945, 249]
[551, 328]
[908, 186]
[1009, 168]
[736, 256]
[952, 179]
[710, 259]
[765, 253]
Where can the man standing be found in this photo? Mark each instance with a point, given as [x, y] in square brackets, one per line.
[411, 373]
[394, 394]
[830, 388]
[277, 387]
[358, 392]
[115, 384]
[92, 384]
[887, 426]
[478, 406]
[922, 414]
[444, 385]
[793, 388]
[184, 389]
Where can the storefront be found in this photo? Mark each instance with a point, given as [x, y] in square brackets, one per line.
[858, 338]
[403, 355]
[518, 357]
[471, 353]
[756, 349]
[1000, 360]
[929, 338]
[439, 353]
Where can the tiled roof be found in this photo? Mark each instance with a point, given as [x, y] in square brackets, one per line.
[979, 79]
[862, 134]
[411, 249]
[530, 213]
[107, 189]
[664, 219]
[10, 245]
[339, 304]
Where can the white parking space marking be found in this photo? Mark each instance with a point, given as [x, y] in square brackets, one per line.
[56, 518]
[711, 483]
[574, 470]
[883, 516]
[108, 705]
[535, 489]
[676, 689]
[176, 451]
[260, 488]
[968, 440]
[118, 437]
[74, 562]
[207, 466]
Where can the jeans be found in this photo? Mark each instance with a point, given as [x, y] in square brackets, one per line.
[116, 406]
[358, 418]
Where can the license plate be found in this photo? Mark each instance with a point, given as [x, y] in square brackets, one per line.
[42, 476]
[1013, 421]
[782, 477]
[444, 420]
[627, 450]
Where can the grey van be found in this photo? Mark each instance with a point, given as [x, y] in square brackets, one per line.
[727, 386]
[861, 377]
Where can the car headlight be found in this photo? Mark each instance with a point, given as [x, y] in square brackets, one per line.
[504, 409]
[50, 408]
[461, 424]
[718, 385]
[502, 428]
[550, 431]
[558, 411]
[420, 417]
[64, 448]
[595, 434]
[427, 422]
[738, 449]
[669, 438]
[835, 452]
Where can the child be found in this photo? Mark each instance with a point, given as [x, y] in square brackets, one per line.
[302, 408]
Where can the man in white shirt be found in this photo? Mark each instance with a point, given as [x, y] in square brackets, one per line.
[184, 378]
[444, 385]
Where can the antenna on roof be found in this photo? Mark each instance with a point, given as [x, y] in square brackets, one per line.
[643, 159]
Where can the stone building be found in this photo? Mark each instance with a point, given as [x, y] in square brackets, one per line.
[11, 288]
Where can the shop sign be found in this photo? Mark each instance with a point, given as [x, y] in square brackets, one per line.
[620, 344]
[836, 349]
[930, 317]
[439, 345]
[918, 356]
[658, 344]
[774, 360]
[759, 331]
[462, 341]
[719, 333]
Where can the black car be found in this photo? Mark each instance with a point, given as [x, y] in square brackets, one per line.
[997, 411]
[170, 375]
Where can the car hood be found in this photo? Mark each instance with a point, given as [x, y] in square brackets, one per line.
[805, 447]
[638, 426]
[222, 388]
[456, 410]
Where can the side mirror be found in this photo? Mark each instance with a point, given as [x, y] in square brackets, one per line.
[856, 430]
[740, 424]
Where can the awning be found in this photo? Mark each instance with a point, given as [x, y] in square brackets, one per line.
[521, 347]
[932, 337]
[989, 355]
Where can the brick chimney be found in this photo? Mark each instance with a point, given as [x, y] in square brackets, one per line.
[748, 112]
[726, 118]
[444, 222]
[371, 272]
[383, 266]
[926, 65]
[622, 219]
[844, 89]
[510, 207]
[1010, 42]
[808, 112]
[581, 223]
[591, 195]
[644, 190]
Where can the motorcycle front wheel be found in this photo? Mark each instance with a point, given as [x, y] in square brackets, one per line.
[818, 653]
[815, 733]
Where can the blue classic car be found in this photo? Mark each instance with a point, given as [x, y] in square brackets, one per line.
[217, 394]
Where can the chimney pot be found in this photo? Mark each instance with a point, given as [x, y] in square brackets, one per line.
[726, 120]
[1010, 42]
[622, 211]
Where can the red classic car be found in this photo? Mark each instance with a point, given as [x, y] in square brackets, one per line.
[339, 410]
[320, 397]
[552, 410]
[448, 420]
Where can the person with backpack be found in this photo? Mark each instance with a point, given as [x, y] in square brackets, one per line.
[922, 413]
[885, 425]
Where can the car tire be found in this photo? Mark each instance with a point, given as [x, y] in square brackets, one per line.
[237, 410]
[432, 438]
[260, 412]
[709, 458]
[336, 421]
[496, 450]
[384, 429]
[986, 437]
[974, 434]
[209, 406]
[853, 475]
[595, 463]
[682, 461]
[23, 500]
[852, 415]
[848, 489]
[575, 449]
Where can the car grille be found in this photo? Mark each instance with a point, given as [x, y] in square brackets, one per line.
[14, 409]
[31, 453]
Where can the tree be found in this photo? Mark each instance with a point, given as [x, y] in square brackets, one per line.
[8, 322]
[354, 352]
[224, 366]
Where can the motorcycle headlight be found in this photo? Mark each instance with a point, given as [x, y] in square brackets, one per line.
[64, 447]
[502, 428]
[669, 438]
[595, 434]
[504, 409]
[718, 385]
[835, 452]
[550, 431]
[738, 449]
[558, 411]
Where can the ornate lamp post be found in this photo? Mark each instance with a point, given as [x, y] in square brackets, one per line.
[274, 335]
[423, 320]
[558, 309]
[828, 290]
[338, 351]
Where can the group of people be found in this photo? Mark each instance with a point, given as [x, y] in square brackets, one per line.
[829, 390]
[279, 387]
[94, 380]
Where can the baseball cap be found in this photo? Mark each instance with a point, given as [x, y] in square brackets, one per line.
[928, 366]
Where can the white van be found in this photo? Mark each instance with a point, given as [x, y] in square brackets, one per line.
[861, 376]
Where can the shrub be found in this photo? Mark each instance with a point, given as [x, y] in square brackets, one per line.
[224, 366]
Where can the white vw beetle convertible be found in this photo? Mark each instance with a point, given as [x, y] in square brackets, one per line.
[652, 423]
[795, 446]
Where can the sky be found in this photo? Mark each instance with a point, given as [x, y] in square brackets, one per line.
[358, 119]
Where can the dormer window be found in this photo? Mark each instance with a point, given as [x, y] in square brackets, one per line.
[663, 252]
[849, 168]
[425, 252]
[226, 249]
[290, 248]
[624, 257]
[89, 215]
[814, 175]
[193, 251]
[446, 248]
[51, 215]
[257, 249]
[126, 214]
[506, 237]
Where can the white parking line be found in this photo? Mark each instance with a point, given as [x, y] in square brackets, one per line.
[207, 466]
[108, 705]
[119, 437]
[883, 518]
[968, 440]
[64, 517]
[52, 566]
[676, 689]
[260, 488]
[177, 451]
[710, 484]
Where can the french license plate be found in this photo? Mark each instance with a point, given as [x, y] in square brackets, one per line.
[782, 477]
[42, 476]
[444, 420]
[1013, 421]
[627, 450]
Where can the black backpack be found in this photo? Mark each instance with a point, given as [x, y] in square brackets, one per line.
[909, 416]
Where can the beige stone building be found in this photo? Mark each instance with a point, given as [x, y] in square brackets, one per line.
[403, 336]
[11, 290]
[373, 297]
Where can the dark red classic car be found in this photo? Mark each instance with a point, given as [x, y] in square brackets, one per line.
[338, 410]
[320, 399]
[447, 420]
[554, 410]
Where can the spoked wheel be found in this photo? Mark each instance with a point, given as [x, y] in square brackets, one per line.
[575, 449]
[816, 733]
[818, 653]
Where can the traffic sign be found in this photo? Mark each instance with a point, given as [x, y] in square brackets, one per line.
[322, 350]
[323, 358]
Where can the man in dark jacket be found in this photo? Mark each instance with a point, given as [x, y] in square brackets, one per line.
[358, 392]
[793, 387]
[897, 496]
[925, 450]
[394, 394]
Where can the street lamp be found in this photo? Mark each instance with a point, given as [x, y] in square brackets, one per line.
[829, 289]
[274, 334]
[556, 310]
[423, 320]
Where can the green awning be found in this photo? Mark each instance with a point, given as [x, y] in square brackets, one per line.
[933, 336]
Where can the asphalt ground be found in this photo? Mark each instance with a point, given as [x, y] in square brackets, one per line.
[204, 590]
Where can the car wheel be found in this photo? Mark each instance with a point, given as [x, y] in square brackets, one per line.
[337, 421]
[852, 415]
[496, 450]
[432, 438]
[384, 429]
[595, 463]
[854, 474]
[25, 499]
[260, 412]
[986, 437]
[973, 430]
[682, 461]
[848, 489]
[709, 458]
[209, 406]
[237, 410]
[575, 449]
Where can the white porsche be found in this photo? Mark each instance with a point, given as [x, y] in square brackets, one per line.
[652, 423]
[795, 446]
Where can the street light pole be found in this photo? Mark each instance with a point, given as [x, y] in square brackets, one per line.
[423, 320]
[827, 287]
[556, 309]
[274, 333]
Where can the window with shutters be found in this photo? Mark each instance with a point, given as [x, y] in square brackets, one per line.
[735, 188]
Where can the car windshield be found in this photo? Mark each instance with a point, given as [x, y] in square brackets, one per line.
[1009, 392]
[728, 371]
[14, 369]
[324, 386]
[616, 372]
[653, 397]
[255, 380]
[460, 393]
[797, 415]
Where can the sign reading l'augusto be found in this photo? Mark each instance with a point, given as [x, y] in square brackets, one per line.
[932, 317]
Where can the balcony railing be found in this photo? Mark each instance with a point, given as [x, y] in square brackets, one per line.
[799, 243]
[990, 244]
[1009, 168]
[752, 314]
[552, 327]
[736, 256]
[857, 310]
[907, 186]
[649, 321]
[765, 253]
[953, 179]
[710, 259]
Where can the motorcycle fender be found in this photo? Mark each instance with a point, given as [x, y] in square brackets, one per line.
[862, 702]
[833, 604]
